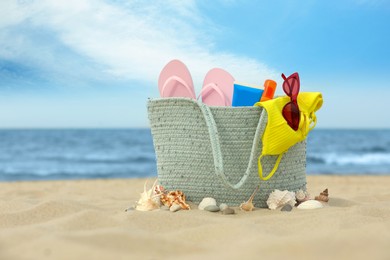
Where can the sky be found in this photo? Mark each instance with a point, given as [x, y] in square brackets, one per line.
[95, 63]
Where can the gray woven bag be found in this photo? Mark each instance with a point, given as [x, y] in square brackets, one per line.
[212, 152]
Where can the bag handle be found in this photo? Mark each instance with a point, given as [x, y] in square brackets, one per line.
[216, 147]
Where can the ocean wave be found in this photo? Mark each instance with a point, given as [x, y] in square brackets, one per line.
[375, 149]
[14, 174]
[350, 159]
[315, 159]
[101, 159]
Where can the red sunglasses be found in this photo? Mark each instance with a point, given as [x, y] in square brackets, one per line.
[291, 110]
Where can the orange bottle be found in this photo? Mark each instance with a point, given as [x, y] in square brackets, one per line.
[269, 90]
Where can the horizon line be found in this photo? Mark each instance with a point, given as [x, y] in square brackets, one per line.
[148, 127]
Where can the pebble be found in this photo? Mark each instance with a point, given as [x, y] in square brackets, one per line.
[228, 211]
[129, 209]
[207, 202]
[212, 208]
[287, 207]
[175, 207]
[223, 206]
[310, 204]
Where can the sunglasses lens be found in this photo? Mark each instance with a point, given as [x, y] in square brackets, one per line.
[291, 87]
[291, 114]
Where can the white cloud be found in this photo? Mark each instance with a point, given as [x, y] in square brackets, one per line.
[126, 40]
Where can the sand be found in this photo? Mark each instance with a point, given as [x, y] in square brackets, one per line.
[86, 220]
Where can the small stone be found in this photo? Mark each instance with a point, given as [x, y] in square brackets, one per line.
[228, 211]
[175, 207]
[207, 202]
[287, 207]
[212, 208]
[164, 207]
[223, 206]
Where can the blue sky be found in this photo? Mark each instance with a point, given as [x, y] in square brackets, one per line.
[84, 63]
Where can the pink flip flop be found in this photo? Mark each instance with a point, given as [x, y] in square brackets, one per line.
[175, 81]
[217, 88]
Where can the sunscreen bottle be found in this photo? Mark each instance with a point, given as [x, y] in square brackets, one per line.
[269, 90]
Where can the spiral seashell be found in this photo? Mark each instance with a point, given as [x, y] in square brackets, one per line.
[324, 196]
[248, 205]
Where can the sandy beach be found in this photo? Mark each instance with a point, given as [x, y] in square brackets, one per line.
[87, 220]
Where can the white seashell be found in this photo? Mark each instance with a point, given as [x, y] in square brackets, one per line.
[310, 204]
[147, 202]
[175, 207]
[156, 199]
[207, 202]
[147, 206]
[279, 198]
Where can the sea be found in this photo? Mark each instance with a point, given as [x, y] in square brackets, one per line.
[63, 154]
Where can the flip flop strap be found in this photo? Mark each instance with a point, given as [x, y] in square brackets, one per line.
[212, 86]
[177, 79]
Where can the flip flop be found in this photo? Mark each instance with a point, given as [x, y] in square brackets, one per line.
[217, 88]
[175, 81]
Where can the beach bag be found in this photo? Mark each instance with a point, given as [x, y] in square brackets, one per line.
[212, 152]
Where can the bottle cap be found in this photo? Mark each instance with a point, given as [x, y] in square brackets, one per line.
[269, 90]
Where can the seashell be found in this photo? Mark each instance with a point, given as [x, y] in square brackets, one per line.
[310, 204]
[147, 201]
[207, 202]
[279, 198]
[212, 208]
[301, 196]
[175, 207]
[177, 196]
[324, 196]
[157, 199]
[158, 189]
[223, 206]
[248, 206]
[228, 211]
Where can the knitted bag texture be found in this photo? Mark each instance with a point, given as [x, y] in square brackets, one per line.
[212, 152]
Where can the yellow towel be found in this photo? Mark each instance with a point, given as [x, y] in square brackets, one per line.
[278, 136]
